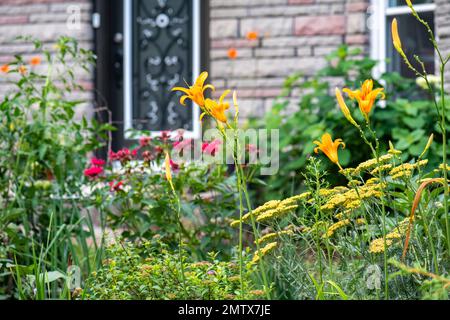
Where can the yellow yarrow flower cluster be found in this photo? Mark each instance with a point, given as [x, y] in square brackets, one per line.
[381, 168]
[406, 169]
[273, 209]
[274, 235]
[352, 199]
[264, 251]
[336, 226]
[377, 245]
[372, 163]
[340, 224]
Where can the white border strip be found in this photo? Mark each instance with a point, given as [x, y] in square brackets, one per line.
[390, 11]
[128, 70]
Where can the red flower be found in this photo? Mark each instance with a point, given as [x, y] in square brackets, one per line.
[158, 151]
[98, 162]
[212, 147]
[115, 186]
[93, 172]
[174, 166]
[165, 135]
[134, 152]
[144, 141]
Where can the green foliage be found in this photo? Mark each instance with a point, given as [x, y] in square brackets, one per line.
[152, 272]
[43, 148]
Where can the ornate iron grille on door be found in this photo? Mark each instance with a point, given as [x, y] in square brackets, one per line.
[144, 48]
[162, 52]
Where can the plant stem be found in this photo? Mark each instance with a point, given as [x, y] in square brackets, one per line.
[444, 156]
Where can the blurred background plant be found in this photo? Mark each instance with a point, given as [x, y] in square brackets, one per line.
[43, 148]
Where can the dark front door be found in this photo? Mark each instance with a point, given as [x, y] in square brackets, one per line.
[144, 48]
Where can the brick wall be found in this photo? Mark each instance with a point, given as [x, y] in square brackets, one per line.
[442, 19]
[294, 36]
[45, 20]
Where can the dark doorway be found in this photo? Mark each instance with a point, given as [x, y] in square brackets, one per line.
[158, 55]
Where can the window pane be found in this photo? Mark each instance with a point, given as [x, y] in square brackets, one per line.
[396, 3]
[415, 41]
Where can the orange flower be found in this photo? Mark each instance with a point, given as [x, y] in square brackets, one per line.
[4, 68]
[329, 148]
[217, 109]
[196, 91]
[35, 61]
[252, 35]
[365, 97]
[232, 53]
[22, 70]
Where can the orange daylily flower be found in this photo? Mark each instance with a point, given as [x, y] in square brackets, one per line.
[365, 97]
[22, 70]
[329, 148]
[35, 61]
[232, 53]
[217, 109]
[4, 68]
[252, 35]
[196, 91]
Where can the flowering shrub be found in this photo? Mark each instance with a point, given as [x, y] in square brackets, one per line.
[135, 199]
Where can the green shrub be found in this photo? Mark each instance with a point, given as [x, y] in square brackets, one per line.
[152, 272]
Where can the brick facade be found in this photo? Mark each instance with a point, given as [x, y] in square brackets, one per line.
[45, 20]
[293, 36]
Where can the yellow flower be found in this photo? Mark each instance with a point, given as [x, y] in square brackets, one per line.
[330, 148]
[344, 107]
[196, 91]
[217, 109]
[262, 252]
[365, 96]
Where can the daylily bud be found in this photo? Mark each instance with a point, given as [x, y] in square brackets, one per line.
[344, 107]
[168, 170]
[396, 37]
[430, 141]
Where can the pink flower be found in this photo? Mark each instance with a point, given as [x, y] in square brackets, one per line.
[251, 148]
[212, 147]
[93, 172]
[134, 152]
[115, 186]
[98, 162]
[180, 145]
[144, 141]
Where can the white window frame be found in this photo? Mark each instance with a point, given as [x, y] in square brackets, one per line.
[128, 70]
[380, 11]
